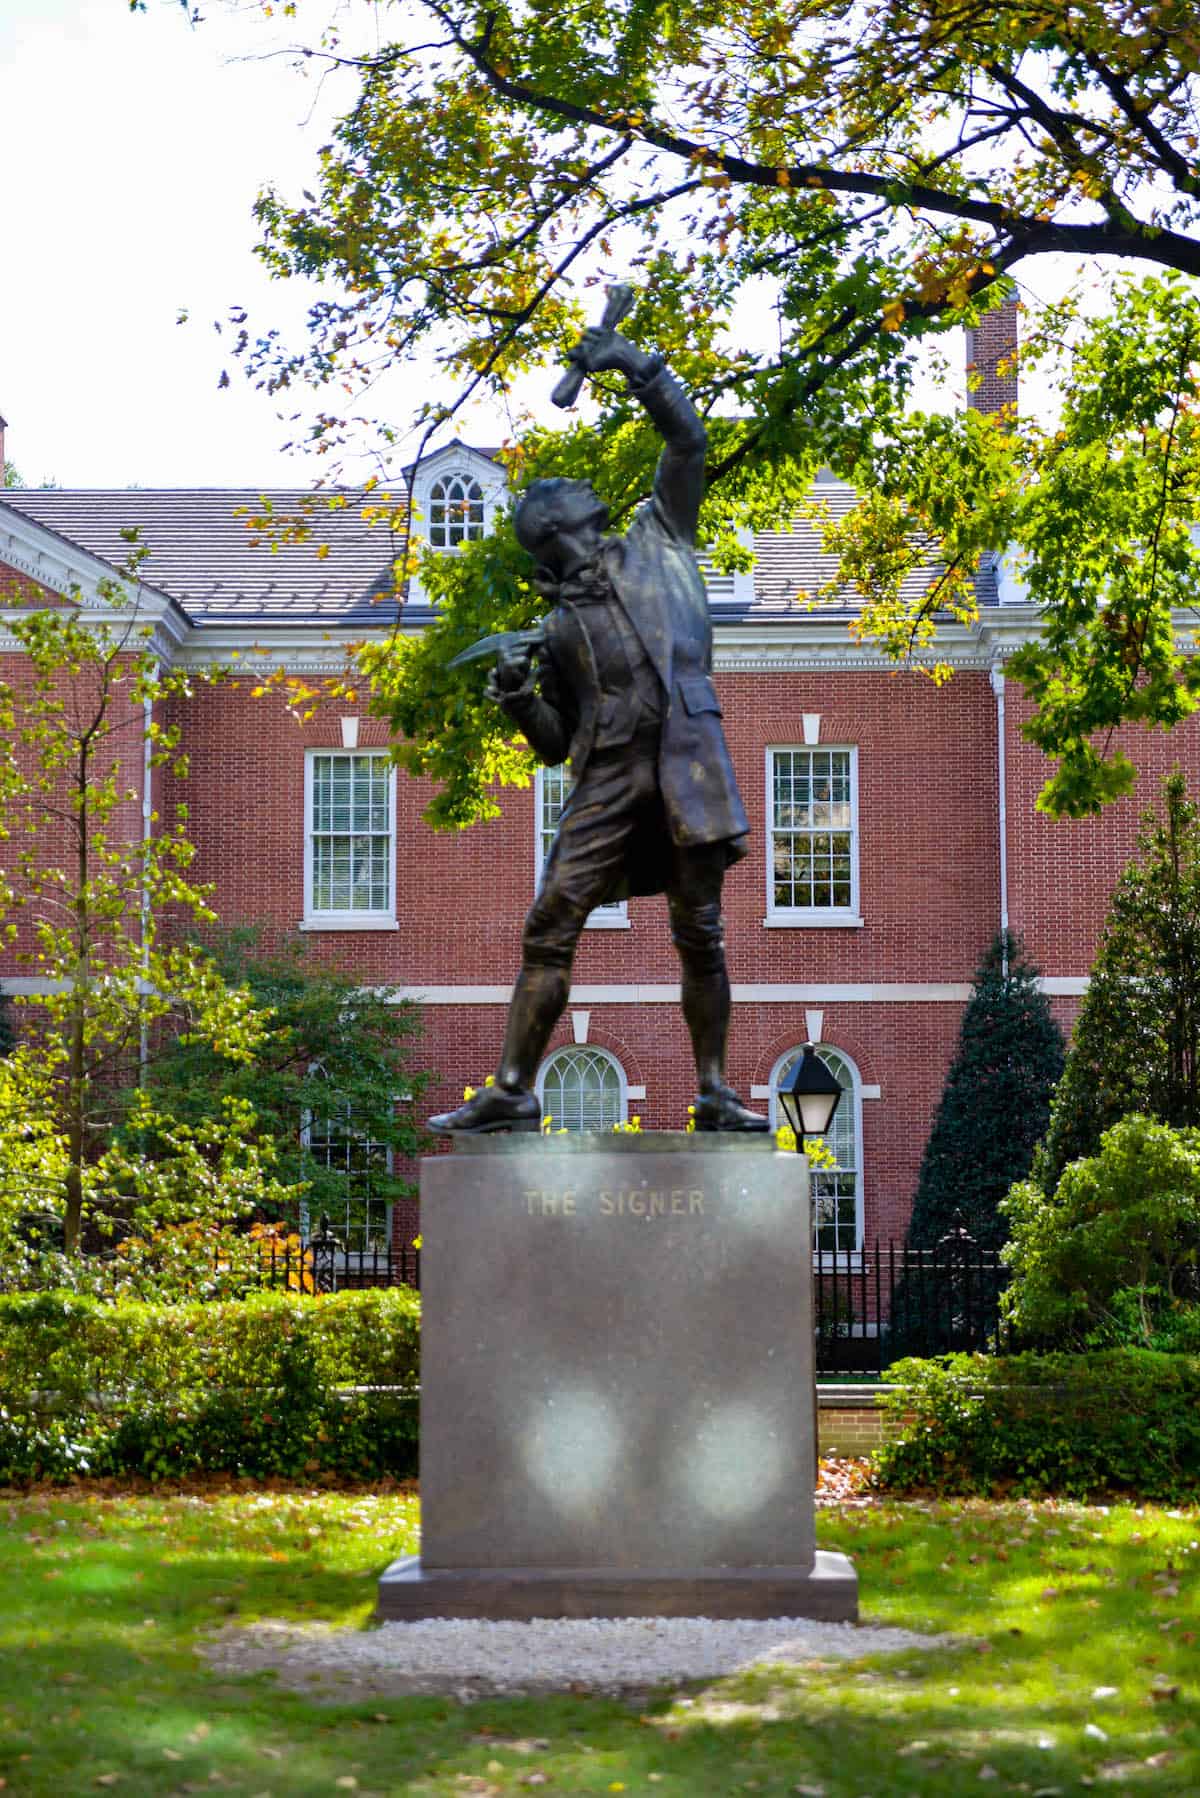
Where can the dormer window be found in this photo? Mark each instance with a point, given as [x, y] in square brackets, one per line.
[456, 511]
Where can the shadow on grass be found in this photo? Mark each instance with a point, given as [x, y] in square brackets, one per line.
[104, 1604]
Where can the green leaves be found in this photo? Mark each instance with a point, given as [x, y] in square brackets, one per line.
[1074, 1425]
[250, 1386]
[1128, 1217]
[1136, 1043]
[869, 185]
[89, 889]
[327, 1052]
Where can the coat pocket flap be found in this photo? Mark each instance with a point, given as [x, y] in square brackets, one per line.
[699, 695]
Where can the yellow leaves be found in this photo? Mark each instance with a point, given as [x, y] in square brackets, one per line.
[322, 551]
[783, 178]
[893, 315]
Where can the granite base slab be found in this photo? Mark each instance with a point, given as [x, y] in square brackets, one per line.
[828, 1591]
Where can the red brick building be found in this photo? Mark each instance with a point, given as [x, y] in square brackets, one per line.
[894, 823]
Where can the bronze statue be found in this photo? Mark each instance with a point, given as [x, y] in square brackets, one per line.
[617, 679]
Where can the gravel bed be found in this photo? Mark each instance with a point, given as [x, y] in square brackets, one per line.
[471, 1659]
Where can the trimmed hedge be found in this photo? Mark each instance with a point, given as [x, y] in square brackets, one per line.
[255, 1386]
[1120, 1420]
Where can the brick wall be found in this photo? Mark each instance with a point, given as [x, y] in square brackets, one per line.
[1062, 870]
[929, 857]
[929, 841]
[929, 891]
[849, 1420]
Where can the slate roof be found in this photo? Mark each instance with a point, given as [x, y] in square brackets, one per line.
[206, 555]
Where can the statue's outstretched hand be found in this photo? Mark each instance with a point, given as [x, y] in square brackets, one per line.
[510, 675]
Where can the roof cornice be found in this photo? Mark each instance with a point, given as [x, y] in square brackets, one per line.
[62, 567]
[293, 649]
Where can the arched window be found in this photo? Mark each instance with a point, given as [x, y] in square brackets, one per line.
[582, 1089]
[836, 1191]
[455, 511]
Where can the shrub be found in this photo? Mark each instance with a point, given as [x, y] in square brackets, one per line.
[1125, 1219]
[1077, 1425]
[274, 1384]
[1136, 1042]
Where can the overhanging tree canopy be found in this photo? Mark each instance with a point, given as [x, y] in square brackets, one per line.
[876, 170]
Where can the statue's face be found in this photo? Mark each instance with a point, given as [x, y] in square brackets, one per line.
[558, 520]
[575, 506]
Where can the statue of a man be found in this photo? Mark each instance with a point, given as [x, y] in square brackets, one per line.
[622, 688]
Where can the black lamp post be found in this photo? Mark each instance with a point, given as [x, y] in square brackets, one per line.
[809, 1095]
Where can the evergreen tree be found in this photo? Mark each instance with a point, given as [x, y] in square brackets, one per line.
[995, 1104]
[992, 1112]
[1136, 1044]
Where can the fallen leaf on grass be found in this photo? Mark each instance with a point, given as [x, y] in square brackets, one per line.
[986, 1772]
[172, 1754]
[1104, 1692]
[1161, 1694]
[107, 1779]
[1094, 1730]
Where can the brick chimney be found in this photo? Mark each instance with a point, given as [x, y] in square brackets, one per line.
[990, 342]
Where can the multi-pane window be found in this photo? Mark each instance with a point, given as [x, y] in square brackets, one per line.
[836, 1207]
[362, 1218]
[456, 512]
[553, 785]
[582, 1089]
[350, 834]
[813, 847]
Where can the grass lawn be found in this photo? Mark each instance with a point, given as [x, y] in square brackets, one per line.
[1082, 1668]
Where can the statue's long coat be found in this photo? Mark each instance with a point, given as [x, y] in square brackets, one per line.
[656, 579]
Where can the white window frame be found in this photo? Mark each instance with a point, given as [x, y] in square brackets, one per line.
[473, 531]
[605, 917]
[347, 920]
[846, 1258]
[799, 917]
[582, 1049]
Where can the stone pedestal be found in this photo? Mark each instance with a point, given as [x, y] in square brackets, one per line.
[617, 1384]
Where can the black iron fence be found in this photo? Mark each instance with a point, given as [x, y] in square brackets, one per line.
[890, 1300]
[869, 1308]
[324, 1263]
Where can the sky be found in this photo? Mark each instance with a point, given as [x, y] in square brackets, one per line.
[134, 146]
